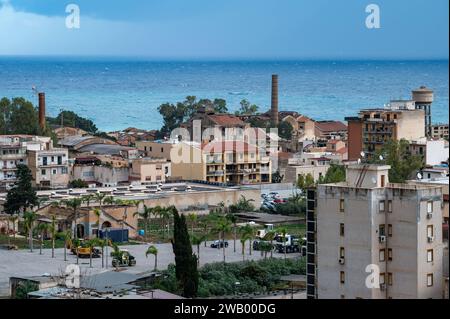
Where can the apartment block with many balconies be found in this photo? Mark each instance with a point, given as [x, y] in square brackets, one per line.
[49, 167]
[372, 239]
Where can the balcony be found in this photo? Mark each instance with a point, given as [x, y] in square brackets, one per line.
[215, 173]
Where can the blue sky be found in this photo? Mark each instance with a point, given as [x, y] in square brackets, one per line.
[231, 29]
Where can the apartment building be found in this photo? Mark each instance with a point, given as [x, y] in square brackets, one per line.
[14, 150]
[106, 171]
[439, 131]
[231, 162]
[150, 170]
[49, 167]
[434, 152]
[371, 239]
[372, 128]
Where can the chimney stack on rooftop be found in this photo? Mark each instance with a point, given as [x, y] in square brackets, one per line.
[42, 121]
[274, 106]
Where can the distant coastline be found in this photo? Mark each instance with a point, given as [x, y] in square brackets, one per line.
[119, 92]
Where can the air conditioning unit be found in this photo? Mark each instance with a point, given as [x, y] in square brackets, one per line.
[382, 287]
[430, 239]
[429, 215]
[342, 261]
[382, 239]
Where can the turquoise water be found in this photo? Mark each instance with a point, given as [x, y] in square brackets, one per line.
[118, 93]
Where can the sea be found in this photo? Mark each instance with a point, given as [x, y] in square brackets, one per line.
[117, 93]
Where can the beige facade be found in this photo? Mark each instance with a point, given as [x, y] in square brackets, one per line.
[150, 170]
[369, 227]
[439, 131]
[49, 168]
[156, 149]
[221, 162]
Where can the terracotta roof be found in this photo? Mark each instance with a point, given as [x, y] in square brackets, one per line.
[226, 120]
[227, 146]
[331, 126]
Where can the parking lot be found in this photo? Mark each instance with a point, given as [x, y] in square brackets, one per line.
[24, 263]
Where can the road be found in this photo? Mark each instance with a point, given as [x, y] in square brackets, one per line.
[24, 263]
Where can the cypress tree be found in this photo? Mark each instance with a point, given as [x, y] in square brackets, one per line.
[185, 261]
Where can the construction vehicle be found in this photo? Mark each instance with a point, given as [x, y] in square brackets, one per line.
[288, 244]
[82, 249]
[261, 233]
[123, 258]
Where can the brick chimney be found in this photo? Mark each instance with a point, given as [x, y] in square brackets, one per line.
[42, 121]
[274, 106]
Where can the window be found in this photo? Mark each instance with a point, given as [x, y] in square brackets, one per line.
[390, 254]
[390, 281]
[383, 180]
[382, 206]
[390, 230]
[382, 230]
[430, 280]
[429, 207]
[162, 149]
[430, 231]
[43, 172]
[342, 277]
[64, 170]
[342, 252]
[382, 255]
[54, 172]
[430, 255]
[382, 278]
[341, 206]
[342, 230]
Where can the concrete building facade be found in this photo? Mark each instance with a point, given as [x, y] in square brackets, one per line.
[375, 240]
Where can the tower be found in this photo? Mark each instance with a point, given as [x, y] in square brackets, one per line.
[274, 105]
[42, 111]
[424, 98]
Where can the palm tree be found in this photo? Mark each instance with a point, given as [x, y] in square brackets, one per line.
[99, 197]
[74, 204]
[88, 199]
[91, 245]
[109, 200]
[42, 229]
[243, 240]
[67, 238]
[270, 236]
[29, 219]
[223, 227]
[53, 229]
[283, 232]
[265, 247]
[197, 241]
[102, 243]
[152, 250]
[165, 214]
[14, 219]
[145, 216]
[233, 219]
[192, 220]
[248, 232]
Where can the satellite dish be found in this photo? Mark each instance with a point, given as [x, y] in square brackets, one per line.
[419, 176]
[359, 161]
[363, 154]
[381, 158]
[374, 180]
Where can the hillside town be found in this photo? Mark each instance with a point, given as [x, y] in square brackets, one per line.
[332, 196]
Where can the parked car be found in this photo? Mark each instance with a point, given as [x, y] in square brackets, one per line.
[219, 244]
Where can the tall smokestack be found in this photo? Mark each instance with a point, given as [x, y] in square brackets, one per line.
[274, 107]
[42, 110]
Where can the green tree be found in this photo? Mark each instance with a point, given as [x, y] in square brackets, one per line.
[246, 108]
[145, 216]
[23, 118]
[22, 195]
[243, 205]
[305, 181]
[223, 227]
[197, 240]
[53, 228]
[29, 220]
[78, 183]
[42, 230]
[285, 130]
[152, 250]
[67, 234]
[74, 204]
[248, 232]
[403, 164]
[335, 174]
[232, 218]
[72, 119]
[277, 178]
[185, 261]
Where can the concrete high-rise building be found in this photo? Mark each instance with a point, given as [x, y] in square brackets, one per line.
[371, 239]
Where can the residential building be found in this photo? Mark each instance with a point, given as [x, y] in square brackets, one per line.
[439, 131]
[105, 171]
[374, 127]
[434, 152]
[231, 162]
[150, 170]
[370, 239]
[49, 167]
[328, 130]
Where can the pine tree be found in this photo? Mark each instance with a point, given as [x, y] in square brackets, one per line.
[185, 261]
[22, 196]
